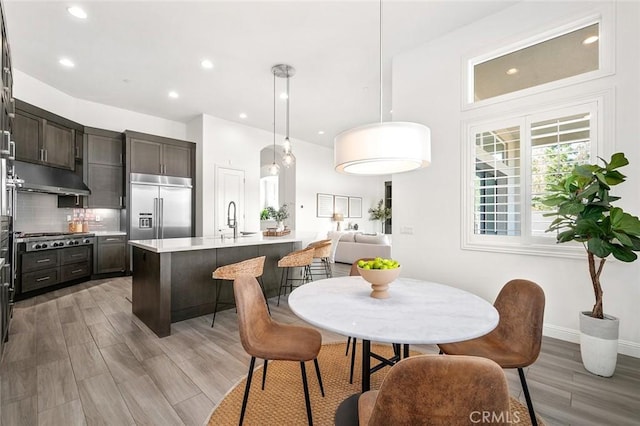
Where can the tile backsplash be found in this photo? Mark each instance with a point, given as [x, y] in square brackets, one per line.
[37, 212]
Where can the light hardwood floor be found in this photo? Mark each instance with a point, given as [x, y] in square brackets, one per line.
[78, 356]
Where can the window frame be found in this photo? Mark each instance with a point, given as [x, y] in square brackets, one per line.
[606, 56]
[600, 105]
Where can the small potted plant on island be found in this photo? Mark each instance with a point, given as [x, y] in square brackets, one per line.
[380, 212]
[584, 213]
[279, 215]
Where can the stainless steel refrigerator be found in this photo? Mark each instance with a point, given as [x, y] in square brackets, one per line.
[160, 207]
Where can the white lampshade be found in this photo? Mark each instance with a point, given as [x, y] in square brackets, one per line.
[382, 148]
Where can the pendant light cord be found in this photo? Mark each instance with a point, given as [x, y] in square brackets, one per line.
[380, 61]
[288, 96]
[274, 117]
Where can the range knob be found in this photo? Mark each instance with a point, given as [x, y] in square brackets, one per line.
[44, 245]
[70, 243]
[86, 241]
[37, 246]
[76, 242]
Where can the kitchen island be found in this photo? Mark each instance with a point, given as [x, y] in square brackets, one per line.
[172, 277]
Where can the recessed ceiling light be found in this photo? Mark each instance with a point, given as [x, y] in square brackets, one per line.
[77, 12]
[243, 115]
[173, 95]
[321, 132]
[206, 64]
[512, 71]
[283, 95]
[66, 62]
[590, 40]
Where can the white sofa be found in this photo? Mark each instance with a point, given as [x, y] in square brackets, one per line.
[351, 246]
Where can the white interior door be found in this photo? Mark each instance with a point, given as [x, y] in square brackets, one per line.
[229, 187]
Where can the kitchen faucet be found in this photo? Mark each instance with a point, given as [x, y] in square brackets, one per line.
[232, 222]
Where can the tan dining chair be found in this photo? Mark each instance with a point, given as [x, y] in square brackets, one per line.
[251, 267]
[264, 338]
[297, 259]
[321, 255]
[516, 341]
[438, 390]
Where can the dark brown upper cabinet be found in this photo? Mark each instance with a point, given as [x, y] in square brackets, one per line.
[160, 156]
[105, 171]
[44, 138]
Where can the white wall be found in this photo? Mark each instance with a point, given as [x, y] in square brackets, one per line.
[91, 114]
[228, 144]
[427, 85]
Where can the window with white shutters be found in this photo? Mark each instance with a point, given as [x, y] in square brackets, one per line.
[512, 162]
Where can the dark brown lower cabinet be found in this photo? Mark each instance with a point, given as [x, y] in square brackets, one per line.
[111, 254]
[48, 268]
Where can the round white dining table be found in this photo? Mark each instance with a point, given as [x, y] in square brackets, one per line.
[417, 312]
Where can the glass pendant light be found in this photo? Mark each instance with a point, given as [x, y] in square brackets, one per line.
[274, 169]
[286, 71]
[384, 147]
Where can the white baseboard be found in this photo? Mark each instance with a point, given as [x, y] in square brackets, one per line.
[625, 347]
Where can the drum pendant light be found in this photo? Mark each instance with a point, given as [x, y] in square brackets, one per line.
[385, 147]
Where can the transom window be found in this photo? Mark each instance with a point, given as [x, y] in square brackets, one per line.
[554, 56]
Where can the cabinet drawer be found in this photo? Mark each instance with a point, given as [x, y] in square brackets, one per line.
[74, 255]
[39, 279]
[40, 260]
[109, 239]
[77, 270]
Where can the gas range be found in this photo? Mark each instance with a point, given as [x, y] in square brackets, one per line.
[53, 240]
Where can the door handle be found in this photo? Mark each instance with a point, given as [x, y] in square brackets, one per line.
[155, 217]
[161, 217]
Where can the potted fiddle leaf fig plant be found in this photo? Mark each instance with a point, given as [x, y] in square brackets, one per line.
[585, 213]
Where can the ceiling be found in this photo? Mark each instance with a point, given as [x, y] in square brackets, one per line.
[130, 54]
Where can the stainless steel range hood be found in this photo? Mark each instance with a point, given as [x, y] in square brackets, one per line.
[49, 179]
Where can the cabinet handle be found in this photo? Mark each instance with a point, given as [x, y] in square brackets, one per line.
[120, 158]
[41, 154]
[76, 271]
[12, 150]
[112, 239]
[77, 200]
[77, 255]
[43, 279]
[43, 260]
[46, 155]
[77, 151]
[121, 201]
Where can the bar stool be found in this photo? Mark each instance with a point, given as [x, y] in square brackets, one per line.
[251, 267]
[297, 259]
[321, 254]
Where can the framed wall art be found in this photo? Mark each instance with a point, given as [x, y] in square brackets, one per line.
[355, 207]
[324, 205]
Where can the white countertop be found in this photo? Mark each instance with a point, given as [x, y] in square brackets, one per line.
[170, 245]
[104, 233]
[417, 312]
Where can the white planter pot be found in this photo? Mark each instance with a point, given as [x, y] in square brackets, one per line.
[599, 343]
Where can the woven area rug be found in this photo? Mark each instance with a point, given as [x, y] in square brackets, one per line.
[282, 401]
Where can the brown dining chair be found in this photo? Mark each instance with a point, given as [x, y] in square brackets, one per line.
[297, 259]
[251, 267]
[321, 255]
[264, 338]
[516, 341]
[437, 390]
